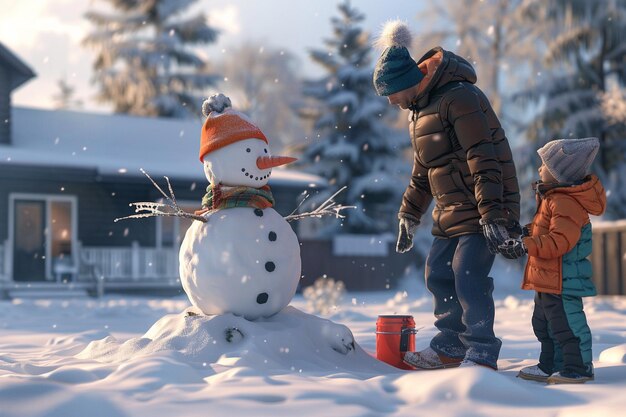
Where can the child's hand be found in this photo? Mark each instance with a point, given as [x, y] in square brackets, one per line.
[512, 249]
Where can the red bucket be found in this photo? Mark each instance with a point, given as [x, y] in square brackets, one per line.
[395, 335]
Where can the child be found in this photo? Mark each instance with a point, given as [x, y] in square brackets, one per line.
[558, 243]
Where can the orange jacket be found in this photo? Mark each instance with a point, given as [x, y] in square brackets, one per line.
[562, 211]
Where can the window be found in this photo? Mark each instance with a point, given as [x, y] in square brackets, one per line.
[171, 230]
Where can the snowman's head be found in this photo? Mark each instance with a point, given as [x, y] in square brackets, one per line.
[246, 162]
[234, 151]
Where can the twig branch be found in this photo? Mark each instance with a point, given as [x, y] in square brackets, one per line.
[170, 209]
[328, 207]
[306, 195]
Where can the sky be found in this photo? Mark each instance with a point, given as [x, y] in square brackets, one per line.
[47, 34]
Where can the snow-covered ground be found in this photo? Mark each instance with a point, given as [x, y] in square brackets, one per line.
[125, 356]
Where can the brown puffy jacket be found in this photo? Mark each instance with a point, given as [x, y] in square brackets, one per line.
[462, 156]
[562, 211]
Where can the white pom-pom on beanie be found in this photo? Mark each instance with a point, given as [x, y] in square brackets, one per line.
[394, 33]
[215, 103]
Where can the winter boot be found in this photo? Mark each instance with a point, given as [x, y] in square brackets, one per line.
[569, 378]
[533, 373]
[429, 359]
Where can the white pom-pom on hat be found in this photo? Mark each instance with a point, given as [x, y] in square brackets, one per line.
[216, 103]
[394, 33]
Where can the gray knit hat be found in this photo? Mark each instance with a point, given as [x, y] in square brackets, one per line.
[569, 160]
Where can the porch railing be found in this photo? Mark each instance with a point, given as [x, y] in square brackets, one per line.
[129, 265]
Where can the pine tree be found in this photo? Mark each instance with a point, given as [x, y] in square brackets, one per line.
[145, 64]
[587, 75]
[351, 144]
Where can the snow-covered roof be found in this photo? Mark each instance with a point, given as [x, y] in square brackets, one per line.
[117, 145]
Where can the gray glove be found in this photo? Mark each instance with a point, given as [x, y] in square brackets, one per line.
[513, 249]
[407, 228]
[495, 232]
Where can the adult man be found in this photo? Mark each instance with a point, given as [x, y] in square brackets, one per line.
[462, 159]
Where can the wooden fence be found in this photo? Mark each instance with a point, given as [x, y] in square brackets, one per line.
[609, 257]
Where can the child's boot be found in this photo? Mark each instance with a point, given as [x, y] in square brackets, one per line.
[533, 373]
[572, 377]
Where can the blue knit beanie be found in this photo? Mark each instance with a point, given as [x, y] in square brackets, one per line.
[395, 70]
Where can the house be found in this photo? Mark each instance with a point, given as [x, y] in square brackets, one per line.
[65, 176]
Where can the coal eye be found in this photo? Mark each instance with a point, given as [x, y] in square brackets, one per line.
[247, 149]
[265, 150]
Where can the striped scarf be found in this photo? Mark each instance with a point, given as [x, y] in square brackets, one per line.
[218, 197]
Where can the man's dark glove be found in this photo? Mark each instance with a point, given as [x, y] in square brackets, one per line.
[407, 228]
[514, 229]
[495, 232]
[513, 249]
[526, 231]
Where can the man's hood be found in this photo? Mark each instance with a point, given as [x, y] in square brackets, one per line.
[590, 194]
[452, 68]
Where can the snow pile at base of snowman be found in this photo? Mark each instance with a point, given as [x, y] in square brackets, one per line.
[240, 259]
[290, 341]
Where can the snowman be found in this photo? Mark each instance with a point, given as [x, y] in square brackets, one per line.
[240, 257]
[245, 259]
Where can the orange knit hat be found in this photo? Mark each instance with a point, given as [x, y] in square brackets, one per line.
[223, 125]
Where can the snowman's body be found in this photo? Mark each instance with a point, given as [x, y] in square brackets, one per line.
[244, 261]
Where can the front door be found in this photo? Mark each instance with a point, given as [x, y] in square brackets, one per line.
[29, 247]
[44, 236]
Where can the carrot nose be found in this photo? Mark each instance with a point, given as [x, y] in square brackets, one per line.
[265, 162]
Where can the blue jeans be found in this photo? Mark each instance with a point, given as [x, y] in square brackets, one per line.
[457, 274]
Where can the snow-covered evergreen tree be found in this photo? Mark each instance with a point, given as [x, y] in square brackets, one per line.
[351, 144]
[145, 64]
[587, 76]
